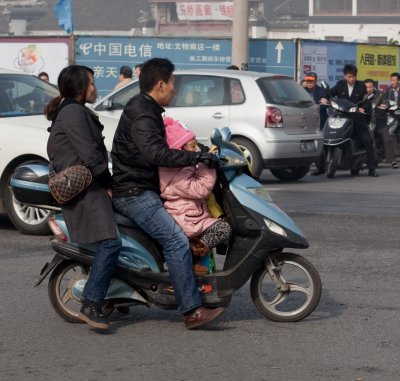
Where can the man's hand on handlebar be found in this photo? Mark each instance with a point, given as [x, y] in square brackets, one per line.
[207, 158]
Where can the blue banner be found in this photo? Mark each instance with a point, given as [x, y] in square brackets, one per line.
[63, 10]
[105, 55]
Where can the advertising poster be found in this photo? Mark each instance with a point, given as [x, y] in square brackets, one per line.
[32, 56]
[377, 63]
[327, 59]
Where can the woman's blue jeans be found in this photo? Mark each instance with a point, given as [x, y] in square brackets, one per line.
[148, 211]
[102, 270]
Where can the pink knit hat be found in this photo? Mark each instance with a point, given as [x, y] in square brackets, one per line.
[177, 133]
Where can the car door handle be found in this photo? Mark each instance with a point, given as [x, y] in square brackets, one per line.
[218, 115]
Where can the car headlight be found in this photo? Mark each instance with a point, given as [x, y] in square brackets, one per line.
[336, 122]
[275, 227]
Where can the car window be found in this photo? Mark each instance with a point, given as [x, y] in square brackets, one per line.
[24, 95]
[121, 98]
[236, 91]
[199, 90]
[284, 91]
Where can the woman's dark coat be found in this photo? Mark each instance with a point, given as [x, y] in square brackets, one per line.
[76, 138]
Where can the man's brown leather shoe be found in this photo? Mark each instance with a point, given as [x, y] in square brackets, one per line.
[201, 316]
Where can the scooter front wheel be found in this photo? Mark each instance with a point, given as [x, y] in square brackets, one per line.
[61, 294]
[288, 289]
[332, 162]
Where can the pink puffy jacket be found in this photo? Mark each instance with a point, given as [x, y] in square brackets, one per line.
[185, 191]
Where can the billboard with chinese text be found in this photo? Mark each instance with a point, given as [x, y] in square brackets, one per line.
[195, 11]
[327, 59]
[105, 55]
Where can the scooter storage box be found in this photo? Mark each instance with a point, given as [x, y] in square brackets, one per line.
[30, 186]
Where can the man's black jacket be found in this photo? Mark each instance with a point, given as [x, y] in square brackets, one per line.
[139, 148]
[359, 91]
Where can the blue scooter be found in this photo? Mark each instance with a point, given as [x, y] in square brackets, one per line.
[284, 286]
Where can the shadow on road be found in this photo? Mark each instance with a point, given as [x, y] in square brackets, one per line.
[328, 308]
[5, 222]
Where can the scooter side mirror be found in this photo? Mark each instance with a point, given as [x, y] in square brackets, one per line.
[216, 137]
[226, 134]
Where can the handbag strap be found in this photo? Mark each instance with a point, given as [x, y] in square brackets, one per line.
[64, 102]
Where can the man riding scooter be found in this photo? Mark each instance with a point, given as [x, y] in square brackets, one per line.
[317, 92]
[353, 90]
[379, 118]
[392, 93]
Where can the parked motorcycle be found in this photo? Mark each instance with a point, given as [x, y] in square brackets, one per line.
[284, 286]
[341, 151]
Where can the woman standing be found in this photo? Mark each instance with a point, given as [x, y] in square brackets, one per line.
[76, 138]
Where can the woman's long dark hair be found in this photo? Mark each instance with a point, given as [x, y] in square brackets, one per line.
[73, 82]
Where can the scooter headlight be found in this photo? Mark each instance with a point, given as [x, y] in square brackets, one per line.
[261, 192]
[336, 122]
[275, 227]
[335, 105]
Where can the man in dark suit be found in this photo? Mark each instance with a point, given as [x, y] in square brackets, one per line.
[393, 91]
[353, 90]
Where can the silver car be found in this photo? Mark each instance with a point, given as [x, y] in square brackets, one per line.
[272, 118]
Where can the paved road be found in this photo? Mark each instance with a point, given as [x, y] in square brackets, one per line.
[353, 228]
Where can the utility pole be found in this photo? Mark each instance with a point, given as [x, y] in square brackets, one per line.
[240, 34]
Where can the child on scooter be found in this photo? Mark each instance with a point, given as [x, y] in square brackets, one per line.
[185, 192]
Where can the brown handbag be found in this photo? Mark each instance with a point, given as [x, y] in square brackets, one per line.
[67, 184]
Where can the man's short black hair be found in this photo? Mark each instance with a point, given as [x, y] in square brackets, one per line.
[369, 80]
[153, 71]
[395, 75]
[350, 69]
[139, 66]
[126, 71]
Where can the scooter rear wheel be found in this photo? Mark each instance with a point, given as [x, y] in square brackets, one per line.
[60, 285]
[298, 294]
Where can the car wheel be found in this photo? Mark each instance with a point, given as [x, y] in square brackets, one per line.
[290, 173]
[26, 219]
[252, 154]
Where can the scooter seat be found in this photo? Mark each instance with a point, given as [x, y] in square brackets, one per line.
[124, 221]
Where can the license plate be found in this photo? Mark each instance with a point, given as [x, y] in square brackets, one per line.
[308, 146]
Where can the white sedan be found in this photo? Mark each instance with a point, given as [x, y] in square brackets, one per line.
[23, 138]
